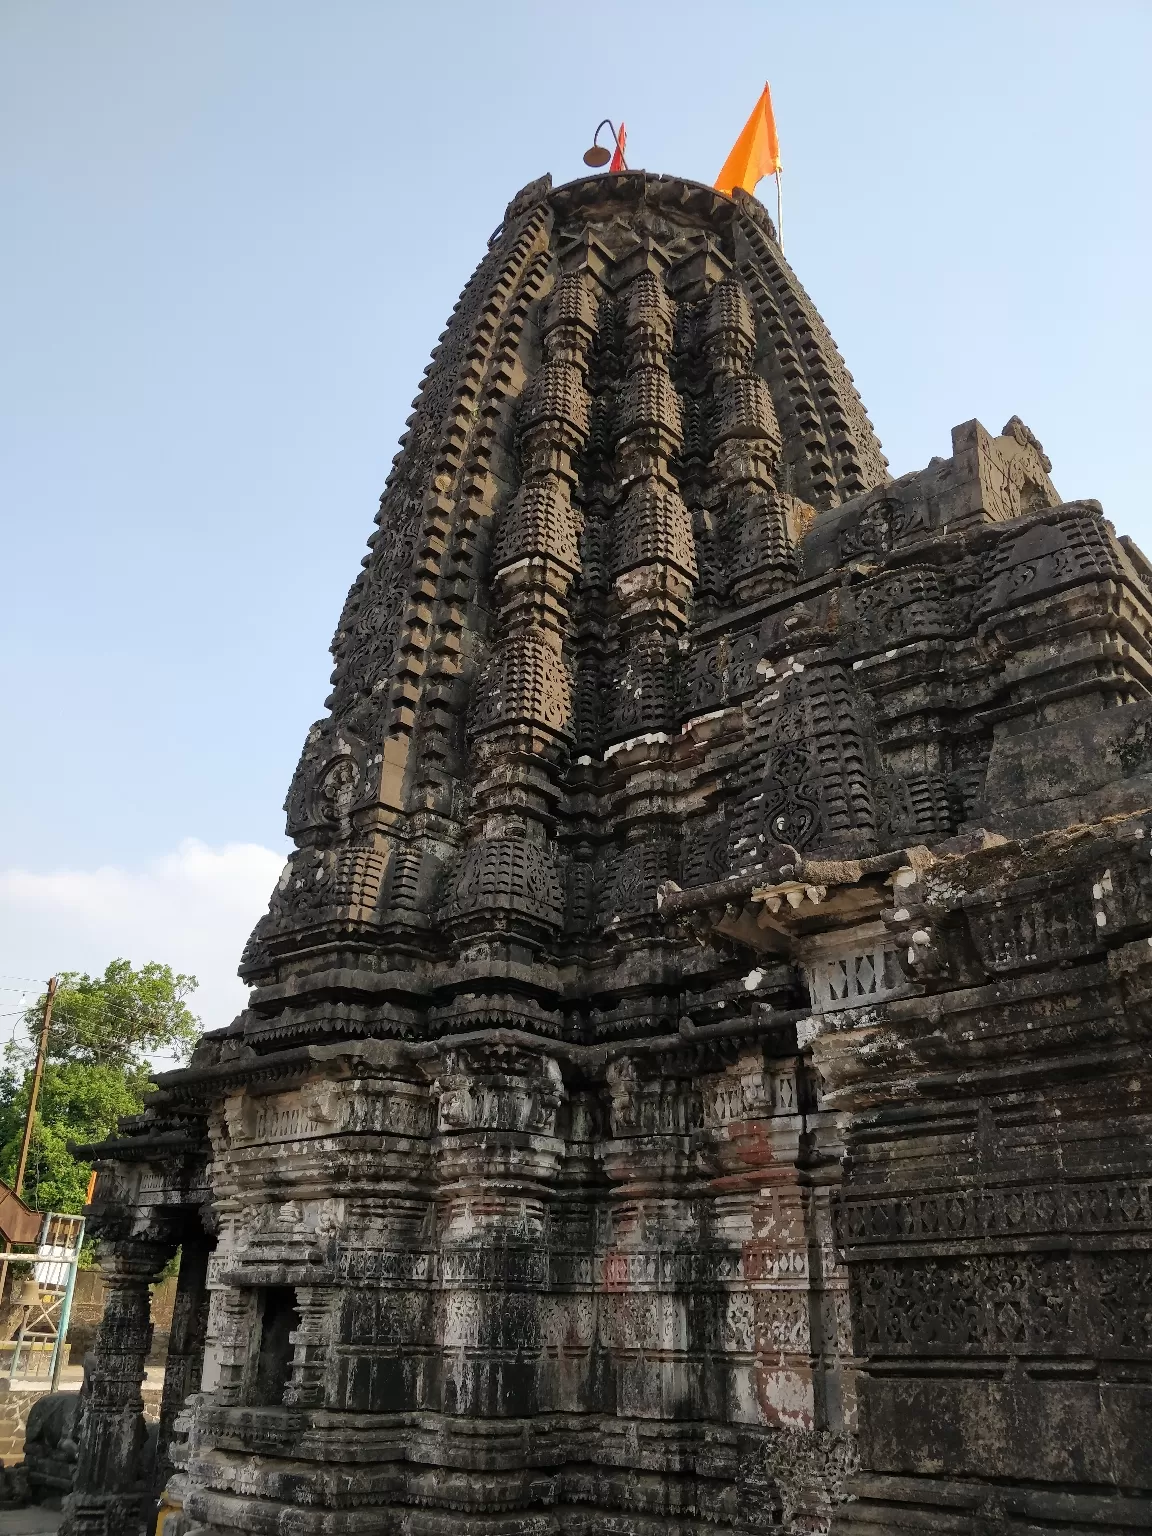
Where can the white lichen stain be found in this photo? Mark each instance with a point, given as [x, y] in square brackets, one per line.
[652, 738]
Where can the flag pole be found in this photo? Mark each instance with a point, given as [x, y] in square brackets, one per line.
[779, 215]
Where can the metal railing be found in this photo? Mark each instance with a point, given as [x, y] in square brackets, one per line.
[36, 1353]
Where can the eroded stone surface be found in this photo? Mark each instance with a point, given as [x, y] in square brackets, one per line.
[696, 1072]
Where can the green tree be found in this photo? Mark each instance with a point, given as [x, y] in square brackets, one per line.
[105, 1029]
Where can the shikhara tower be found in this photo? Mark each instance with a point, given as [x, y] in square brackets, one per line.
[696, 1073]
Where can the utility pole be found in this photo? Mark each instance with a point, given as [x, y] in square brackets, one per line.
[30, 1118]
[37, 1076]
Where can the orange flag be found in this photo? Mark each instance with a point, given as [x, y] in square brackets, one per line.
[618, 158]
[756, 153]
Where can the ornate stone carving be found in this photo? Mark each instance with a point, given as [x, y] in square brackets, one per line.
[525, 682]
[518, 876]
[696, 1069]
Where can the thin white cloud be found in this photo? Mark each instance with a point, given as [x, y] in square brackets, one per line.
[191, 909]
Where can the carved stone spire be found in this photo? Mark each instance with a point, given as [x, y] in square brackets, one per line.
[530, 594]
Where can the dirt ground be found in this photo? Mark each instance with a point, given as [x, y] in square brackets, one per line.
[36, 1520]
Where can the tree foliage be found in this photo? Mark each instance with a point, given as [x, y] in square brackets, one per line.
[105, 1030]
[121, 1017]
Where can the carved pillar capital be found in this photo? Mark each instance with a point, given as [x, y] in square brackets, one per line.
[133, 1261]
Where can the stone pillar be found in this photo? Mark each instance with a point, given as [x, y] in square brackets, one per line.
[312, 1347]
[112, 1493]
[185, 1362]
[497, 1154]
[655, 1241]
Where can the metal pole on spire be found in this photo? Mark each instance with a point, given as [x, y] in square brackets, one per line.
[779, 214]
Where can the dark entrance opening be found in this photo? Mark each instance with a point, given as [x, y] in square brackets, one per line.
[279, 1317]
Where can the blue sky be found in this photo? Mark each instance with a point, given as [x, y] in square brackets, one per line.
[234, 229]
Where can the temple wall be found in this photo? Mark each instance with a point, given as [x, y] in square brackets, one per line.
[497, 1240]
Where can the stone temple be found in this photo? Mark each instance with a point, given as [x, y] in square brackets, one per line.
[696, 1077]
